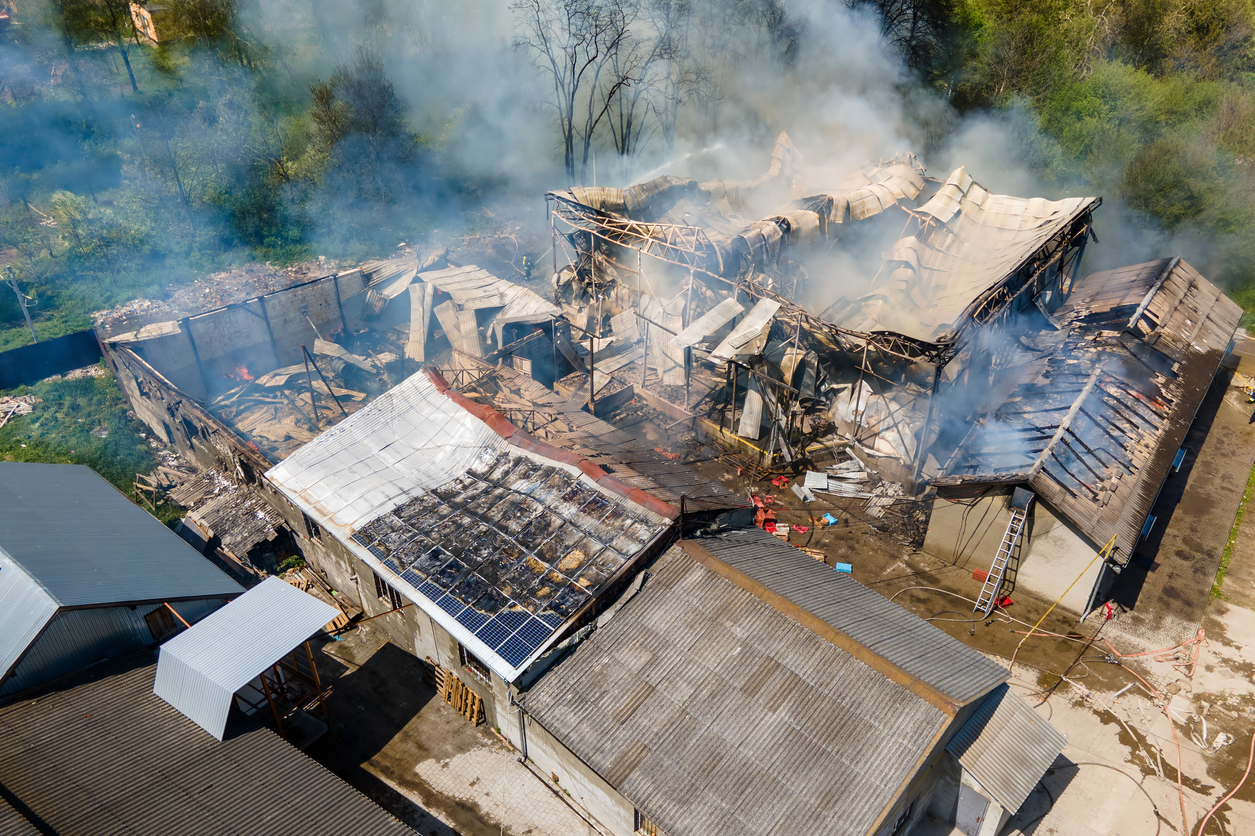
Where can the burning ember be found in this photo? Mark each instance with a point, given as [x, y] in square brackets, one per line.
[241, 373]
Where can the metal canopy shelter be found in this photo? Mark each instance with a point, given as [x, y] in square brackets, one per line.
[200, 670]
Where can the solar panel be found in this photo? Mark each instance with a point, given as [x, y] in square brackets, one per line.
[472, 619]
[430, 591]
[451, 605]
[533, 633]
[514, 651]
[412, 578]
[494, 633]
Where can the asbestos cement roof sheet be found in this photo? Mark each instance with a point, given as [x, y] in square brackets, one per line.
[103, 755]
[897, 635]
[201, 668]
[1007, 746]
[717, 715]
[86, 544]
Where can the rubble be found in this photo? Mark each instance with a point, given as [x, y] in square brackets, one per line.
[13, 405]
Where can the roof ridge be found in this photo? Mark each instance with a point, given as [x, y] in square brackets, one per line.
[817, 625]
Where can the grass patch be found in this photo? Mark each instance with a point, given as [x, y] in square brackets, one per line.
[83, 421]
[1233, 535]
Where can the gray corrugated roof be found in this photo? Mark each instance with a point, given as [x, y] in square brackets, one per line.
[1007, 746]
[714, 713]
[24, 610]
[87, 544]
[202, 667]
[13, 823]
[892, 632]
[104, 756]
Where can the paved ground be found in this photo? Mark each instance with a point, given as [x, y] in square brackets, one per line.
[395, 741]
[1194, 513]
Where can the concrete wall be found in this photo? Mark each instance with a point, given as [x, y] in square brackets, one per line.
[968, 531]
[575, 779]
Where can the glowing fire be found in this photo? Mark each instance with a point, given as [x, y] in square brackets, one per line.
[242, 373]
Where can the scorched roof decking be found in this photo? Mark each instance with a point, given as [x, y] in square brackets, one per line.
[718, 715]
[1105, 404]
[499, 538]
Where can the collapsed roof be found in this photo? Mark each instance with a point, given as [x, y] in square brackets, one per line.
[280, 368]
[1099, 409]
[502, 539]
[966, 241]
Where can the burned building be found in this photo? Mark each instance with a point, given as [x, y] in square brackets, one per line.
[974, 356]
[1092, 422]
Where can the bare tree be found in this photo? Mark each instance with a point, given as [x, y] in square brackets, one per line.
[672, 21]
[574, 42]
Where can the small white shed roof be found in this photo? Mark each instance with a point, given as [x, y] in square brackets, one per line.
[200, 669]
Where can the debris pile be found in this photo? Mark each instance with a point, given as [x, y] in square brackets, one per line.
[12, 405]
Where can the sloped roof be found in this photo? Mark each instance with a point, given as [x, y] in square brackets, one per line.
[937, 660]
[200, 669]
[25, 609]
[86, 544]
[715, 713]
[1096, 421]
[500, 538]
[1007, 746]
[104, 755]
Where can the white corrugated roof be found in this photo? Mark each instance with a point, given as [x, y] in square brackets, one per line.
[409, 440]
[202, 667]
[24, 610]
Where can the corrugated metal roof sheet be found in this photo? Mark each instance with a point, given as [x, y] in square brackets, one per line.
[13, 823]
[972, 242]
[202, 667]
[86, 544]
[104, 756]
[1096, 422]
[716, 714]
[493, 539]
[25, 608]
[409, 440]
[1007, 746]
[892, 632]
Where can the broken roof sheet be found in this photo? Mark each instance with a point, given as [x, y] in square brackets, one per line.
[632, 461]
[499, 538]
[967, 242]
[1096, 422]
[715, 713]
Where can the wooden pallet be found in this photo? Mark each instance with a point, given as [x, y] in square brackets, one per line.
[456, 693]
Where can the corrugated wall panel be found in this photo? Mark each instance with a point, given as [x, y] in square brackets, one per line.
[24, 610]
[77, 638]
[202, 701]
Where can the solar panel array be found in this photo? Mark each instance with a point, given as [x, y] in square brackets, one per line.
[511, 549]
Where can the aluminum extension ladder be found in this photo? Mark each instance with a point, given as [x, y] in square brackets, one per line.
[993, 581]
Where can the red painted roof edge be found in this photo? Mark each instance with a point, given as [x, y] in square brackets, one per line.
[502, 426]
